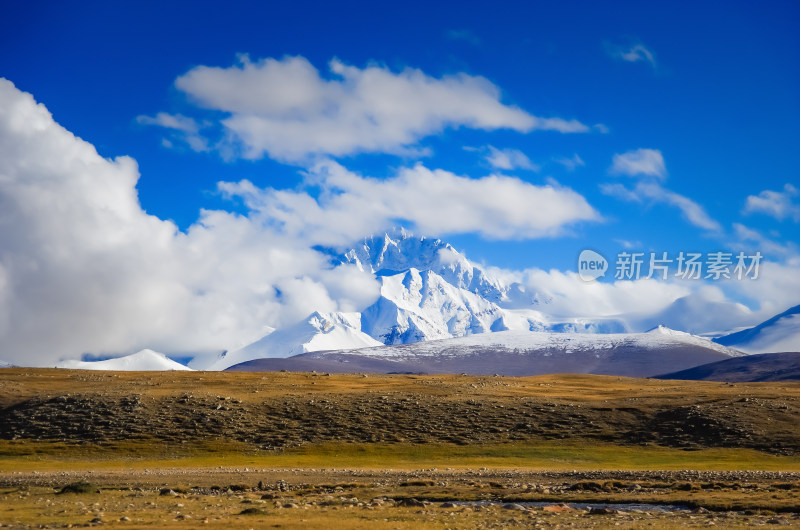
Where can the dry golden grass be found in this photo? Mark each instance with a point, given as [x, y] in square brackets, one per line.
[389, 436]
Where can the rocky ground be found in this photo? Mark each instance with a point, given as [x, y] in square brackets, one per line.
[301, 498]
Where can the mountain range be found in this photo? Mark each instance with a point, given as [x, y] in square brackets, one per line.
[750, 368]
[428, 291]
[517, 353]
[439, 312]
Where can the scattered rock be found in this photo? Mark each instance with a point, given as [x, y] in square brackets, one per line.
[556, 508]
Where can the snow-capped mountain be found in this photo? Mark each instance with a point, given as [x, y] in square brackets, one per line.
[4, 364]
[320, 331]
[405, 251]
[421, 305]
[428, 291]
[521, 353]
[780, 333]
[660, 337]
[141, 361]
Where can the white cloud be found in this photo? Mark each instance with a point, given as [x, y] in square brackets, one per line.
[776, 288]
[628, 244]
[647, 162]
[510, 159]
[432, 201]
[183, 128]
[632, 54]
[647, 166]
[655, 193]
[777, 204]
[757, 241]
[570, 163]
[569, 295]
[691, 305]
[288, 111]
[83, 269]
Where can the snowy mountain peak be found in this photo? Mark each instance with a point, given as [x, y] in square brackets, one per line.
[421, 305]
[664, 330]
[398, 253]
[142, 361]
[401, 251]
[319, 331]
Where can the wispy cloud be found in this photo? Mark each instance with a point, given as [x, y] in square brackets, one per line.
[764, 244]
[285, 109]
[464, 35]
[570, 163]
[632, 53]
[648, 162]
[510, 159]
[184, 129]
[647, 166]
[778, 204]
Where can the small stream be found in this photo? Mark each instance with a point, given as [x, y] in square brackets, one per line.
[623, 507]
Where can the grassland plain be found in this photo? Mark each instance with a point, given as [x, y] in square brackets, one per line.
[396, 451]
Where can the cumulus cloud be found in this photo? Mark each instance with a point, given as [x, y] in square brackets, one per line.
[430, 201]
[285, 109]
[569, 295]
[690, 305]
[509, 159]
[778, 204]
[647, 162]
[647, 166]
[83, 269]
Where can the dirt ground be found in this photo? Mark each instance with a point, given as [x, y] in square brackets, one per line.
[308, 450]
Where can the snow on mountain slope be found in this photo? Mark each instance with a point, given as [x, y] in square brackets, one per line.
[404, 251]
[520, 353]
[320, 331]
[780, 333]
[430, 291]
[4, 364]
[658, 338]
[420, 305]
[144, 360]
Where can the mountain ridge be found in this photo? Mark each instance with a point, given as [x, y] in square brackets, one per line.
[780, 333]
[518, 353]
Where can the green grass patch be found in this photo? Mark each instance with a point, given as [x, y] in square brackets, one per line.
[542, 455]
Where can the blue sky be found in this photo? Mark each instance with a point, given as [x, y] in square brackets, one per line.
[704, 94]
